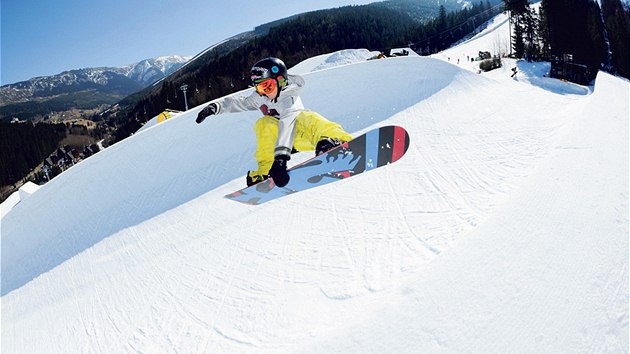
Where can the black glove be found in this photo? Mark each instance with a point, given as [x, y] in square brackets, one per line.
[207, 111]
[278, 171]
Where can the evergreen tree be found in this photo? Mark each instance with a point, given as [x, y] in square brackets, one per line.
[520, 23]
[617, 22]
[572, 28]
[532, 46]
[518, 42]
[442, 22]
[543, 32]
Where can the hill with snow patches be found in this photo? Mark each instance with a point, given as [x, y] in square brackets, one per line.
[504, 229]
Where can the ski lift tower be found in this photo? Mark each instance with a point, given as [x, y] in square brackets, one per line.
[184, 87]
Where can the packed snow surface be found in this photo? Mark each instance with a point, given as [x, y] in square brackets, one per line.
[504, 229]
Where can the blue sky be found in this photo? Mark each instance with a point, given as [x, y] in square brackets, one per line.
[46, 37]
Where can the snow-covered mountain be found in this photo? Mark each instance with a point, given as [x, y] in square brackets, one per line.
[124, 80]
[504, 229]
[149, 71]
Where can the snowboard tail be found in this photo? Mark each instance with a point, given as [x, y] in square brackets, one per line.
[374, 149]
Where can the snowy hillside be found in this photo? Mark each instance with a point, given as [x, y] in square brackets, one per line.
[504, 229]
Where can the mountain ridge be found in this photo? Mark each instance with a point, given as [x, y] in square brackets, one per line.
[118, 82]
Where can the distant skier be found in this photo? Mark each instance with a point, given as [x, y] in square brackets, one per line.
[286, 125]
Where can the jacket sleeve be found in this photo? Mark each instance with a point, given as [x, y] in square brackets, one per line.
[290, 105]
[233, 104]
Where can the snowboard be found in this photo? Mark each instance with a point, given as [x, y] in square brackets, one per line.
[374, 149]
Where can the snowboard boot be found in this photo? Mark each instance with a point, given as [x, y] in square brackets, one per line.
[326, 144]
[251, 180]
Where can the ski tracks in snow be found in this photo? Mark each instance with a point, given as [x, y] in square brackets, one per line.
[213, 276]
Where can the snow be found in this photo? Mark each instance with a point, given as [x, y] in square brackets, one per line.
[324, 61]
[27, 190]
[22, 193]
[10, 202]
[504, 229]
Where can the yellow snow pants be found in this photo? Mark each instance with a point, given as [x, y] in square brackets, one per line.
[310, 128]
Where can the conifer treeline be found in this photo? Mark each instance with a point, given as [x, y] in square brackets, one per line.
[23, 146]
[598, 38]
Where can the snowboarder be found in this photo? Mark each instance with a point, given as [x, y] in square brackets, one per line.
[285, 126]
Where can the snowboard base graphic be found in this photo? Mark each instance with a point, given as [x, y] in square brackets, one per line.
[371, 150]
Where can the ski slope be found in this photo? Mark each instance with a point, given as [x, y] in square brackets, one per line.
[504, 229]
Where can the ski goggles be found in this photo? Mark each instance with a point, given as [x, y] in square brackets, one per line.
[266, 86]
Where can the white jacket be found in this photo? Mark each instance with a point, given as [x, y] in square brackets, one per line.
[285, 107]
